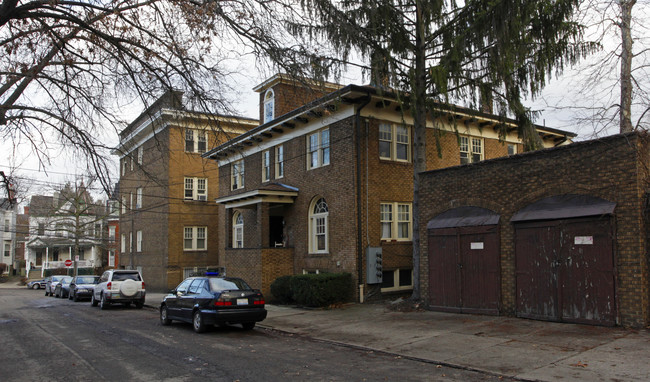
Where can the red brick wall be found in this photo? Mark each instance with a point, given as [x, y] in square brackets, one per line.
[613, 168]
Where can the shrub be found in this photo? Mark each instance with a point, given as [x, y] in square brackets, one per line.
[321, 290]
[3, 268]
[281, 290]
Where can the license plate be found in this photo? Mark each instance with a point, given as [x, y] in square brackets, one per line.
[115, 295]
[242, 301]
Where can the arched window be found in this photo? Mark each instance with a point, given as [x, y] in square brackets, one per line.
[238, 230]
[318, 229]
[269, 106]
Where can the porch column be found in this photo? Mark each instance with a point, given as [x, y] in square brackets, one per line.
[263, 224]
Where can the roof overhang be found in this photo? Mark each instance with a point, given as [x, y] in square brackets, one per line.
[250, 198]
[564, 207]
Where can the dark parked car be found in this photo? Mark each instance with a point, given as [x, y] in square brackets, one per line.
[81, 287]
[50, 284]
[209, 300]
[62, 289]
[37, 284]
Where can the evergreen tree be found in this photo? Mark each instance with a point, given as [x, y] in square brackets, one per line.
[437, 51]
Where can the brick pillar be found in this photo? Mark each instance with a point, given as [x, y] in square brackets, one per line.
[263, 224]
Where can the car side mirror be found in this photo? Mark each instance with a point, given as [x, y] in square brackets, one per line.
[173, 291]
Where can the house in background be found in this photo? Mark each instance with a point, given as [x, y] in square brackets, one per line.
[60, 223]
[168, 224]
[8, 235]
[325, 183]
[113, 226]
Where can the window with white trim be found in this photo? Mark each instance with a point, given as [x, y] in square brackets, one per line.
[7, 251]
[318, 149]
[395, 221]
[471, 149]
[111, 258]
[123, 204]
[123, 244]
[195, 238]
[396, 280]
[140, 155]
[196, 189]
[269, 106]
[195, 141]
[266, 165]
[124, 166]
[238, 230]
[131, 201]
[279, 161]
[111, 233]
[138, 198]
[318, 227]
[237, 175]
[138, 241]
[130, 241]
[394, 142]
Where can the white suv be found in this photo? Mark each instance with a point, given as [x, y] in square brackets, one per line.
[119, 286]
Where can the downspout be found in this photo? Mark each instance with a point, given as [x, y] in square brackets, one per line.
[357, 123]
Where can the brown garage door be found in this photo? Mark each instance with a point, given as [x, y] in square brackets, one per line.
[565, 268]
[464, 261]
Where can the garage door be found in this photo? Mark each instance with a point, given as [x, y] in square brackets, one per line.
[565, 267]
[464, 261]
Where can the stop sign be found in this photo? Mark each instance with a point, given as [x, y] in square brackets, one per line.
[68, 263]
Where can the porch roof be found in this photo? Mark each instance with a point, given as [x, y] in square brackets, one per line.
[272, 193]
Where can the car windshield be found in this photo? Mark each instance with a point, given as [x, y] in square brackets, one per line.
[87, 280]
[126, 276]
[66, 280]
[219, 284]
[57, 278]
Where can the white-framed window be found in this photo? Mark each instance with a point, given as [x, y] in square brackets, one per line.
[138, 198]
[7, 225]
[279, 161]
[124, 166]
[237, 175]
[130, 241]
[195, 141]
[131, 201]
[123, 244]
[111, 233]
[266, 165]
[196, 189]
[123, 204]
[131, 160]
[395, 221]
[7, 249]
[512, 149]
[394, 142]
[269, 106]
[237, 230]
[318, 227]
[111, 258]
[398, 279]
[318, 148]
[195, 238]
[138, 241]
[471, 149]
[140, 154]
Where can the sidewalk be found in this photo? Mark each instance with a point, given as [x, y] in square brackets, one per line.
[507, 346]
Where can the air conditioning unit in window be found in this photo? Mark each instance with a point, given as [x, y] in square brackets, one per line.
[203, 198]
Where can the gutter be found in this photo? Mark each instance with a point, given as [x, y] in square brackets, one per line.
[357, 122]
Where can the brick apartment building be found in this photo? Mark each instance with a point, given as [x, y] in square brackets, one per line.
[325, 183]
[167, 226]
[559, 234]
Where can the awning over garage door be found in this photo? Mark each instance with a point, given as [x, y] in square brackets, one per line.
[467, 216]
[564, 207]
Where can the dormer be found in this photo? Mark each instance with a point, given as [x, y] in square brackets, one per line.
[282, 93]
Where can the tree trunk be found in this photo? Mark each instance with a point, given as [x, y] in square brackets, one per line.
[419, 139]
[626, 65]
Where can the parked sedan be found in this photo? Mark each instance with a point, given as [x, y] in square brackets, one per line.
[62, 289]
[207, 301]
[50, 284]
[37, 284]
[82, 287]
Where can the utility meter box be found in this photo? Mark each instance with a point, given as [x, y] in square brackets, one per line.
[374, 267]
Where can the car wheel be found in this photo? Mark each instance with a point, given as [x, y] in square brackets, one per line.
[47, 294]
[35, 286]
[197, 322]
[248, 325]
[93, 302]
[138, 304]
[56, 295]
[103, 303]
[163, 316]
